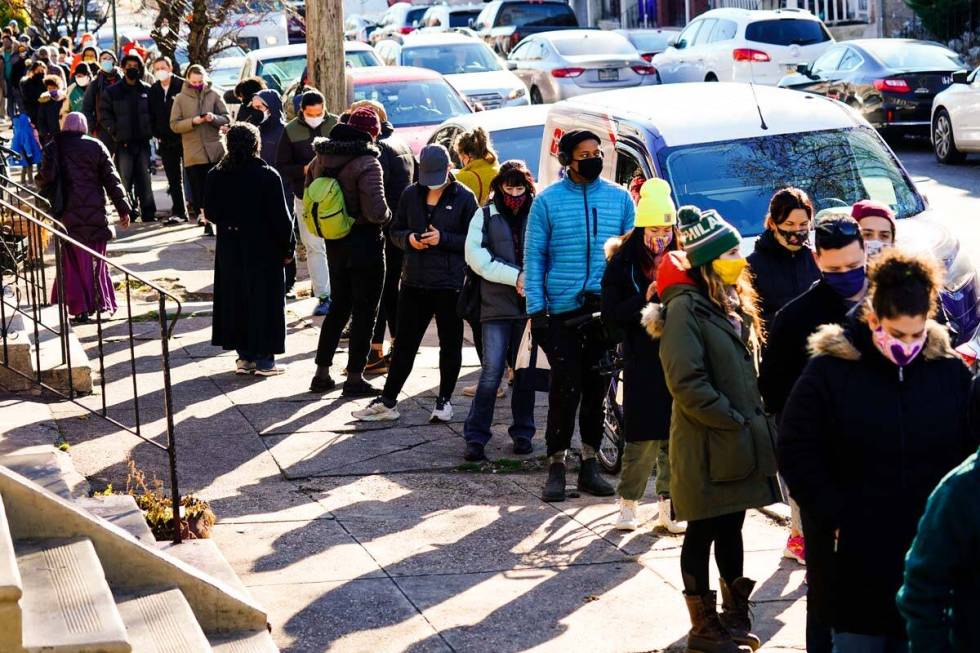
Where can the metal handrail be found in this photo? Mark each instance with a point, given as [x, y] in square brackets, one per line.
[36, 292]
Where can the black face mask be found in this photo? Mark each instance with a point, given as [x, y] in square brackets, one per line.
[132, 74]
[38, 75]
[254, 117]
[589, 169]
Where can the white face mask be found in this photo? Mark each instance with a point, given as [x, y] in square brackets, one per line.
[873, 247]
[82, 81]
[313, 122]
[162, 75]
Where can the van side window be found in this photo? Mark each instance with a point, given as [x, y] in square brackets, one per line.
[627, 168]
[724, 31]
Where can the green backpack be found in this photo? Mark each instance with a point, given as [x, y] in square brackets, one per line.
[324, 211]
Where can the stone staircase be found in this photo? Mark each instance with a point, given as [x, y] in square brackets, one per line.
[85, 575]
[23, 348]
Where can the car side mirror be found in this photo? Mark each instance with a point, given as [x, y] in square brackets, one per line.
[804, 69]
[471, 22]
[511, 65]
[676, 43]
[230, 97]
[961, 77]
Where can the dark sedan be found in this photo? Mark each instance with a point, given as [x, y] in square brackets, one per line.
[890, 81]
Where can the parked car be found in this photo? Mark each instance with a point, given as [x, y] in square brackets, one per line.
[441, 18]
[284, 66]
[559, 65]
[770, 138]
[257, 24]
[503, 23]
[401, 18]
[650, 42]
[514, 132]
[359, 28]
[416, 99]
[182, 58]
[956, 118]
[891, 82]
[742, 45]
[467, 63]
[224, 72]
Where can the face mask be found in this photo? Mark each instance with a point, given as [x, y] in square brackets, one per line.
[515, 202]
[799, 238]
[132, 74]
[728, 270]
[38, 75]
[82, 81]
[313, 122]
[162, 75]
[440, 186]
[196, 87]
[106, 66]
[89, 59]
[55, 94]
[873, 247]
[898, 352]
[846, 284]
[661, 244]
[589, 169]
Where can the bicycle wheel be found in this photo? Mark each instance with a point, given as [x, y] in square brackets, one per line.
[610, 453]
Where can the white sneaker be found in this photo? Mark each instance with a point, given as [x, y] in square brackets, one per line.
[244, 367]
[376, 412]
[627, 520]
[666, 521]
[275, 370]
[443, 412]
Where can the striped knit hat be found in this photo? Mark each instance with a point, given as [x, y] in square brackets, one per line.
[705, 234]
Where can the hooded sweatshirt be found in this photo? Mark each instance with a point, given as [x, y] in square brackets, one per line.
[272, 127]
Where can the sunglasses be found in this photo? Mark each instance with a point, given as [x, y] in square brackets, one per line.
[847, 228]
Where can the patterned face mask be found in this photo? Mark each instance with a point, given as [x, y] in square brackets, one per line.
[898, 352]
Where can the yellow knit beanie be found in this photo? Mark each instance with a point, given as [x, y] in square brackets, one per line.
[655, 208]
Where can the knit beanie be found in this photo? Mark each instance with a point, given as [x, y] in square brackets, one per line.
[705, 235]
[75, 122]
[871, 208]
[655, 208]
[365, 120]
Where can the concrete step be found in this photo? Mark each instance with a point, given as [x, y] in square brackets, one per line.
[17, 354]
[53, 362]
[11, 589]
[41, 465]
[67, 604]
[121, 510]
[244, 642]
[160, 621]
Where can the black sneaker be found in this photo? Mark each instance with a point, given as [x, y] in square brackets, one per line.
[321, 384]
[474, 452]
[360, 389]
[522, 446]
[208, 229]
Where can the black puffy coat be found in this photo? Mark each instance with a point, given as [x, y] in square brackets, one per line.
[440, 267]
[88, 174]
[400, 166]
[646, 399]
[861, 446]
[31, 88]
[780, 274]
[255, 237]
[49, 116]
[92, 105]
[126, 112]
[161, 105]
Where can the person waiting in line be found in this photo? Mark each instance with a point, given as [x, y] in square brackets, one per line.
[878, 417]
[431, 226]
[163, 92]
[294, 153]
[840, 256]
[108, 75]
[495, 252]
[563, 266]
[50, 109]
[31, 88]
[628, 285]
[268, 109]
[75, 94]
[356, 261]
[877, 222]
[245, 197]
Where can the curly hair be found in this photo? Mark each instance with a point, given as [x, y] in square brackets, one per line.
[475, 144]
[904, 284]
[242, 144]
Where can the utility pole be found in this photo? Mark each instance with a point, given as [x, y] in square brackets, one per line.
[115, 31]
[325, 51]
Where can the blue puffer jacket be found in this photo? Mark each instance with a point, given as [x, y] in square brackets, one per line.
[568, 225]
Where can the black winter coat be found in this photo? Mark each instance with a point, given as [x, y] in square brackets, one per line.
[126, 112]
[92, 106]
[861, 446]
[440, 267]
[786, 347]
[255, 238]
[400, 166]
[271, 128]
[49, 116]
[31, 89]
[295, 149]
[646, 399]
[88, 174]
[780, 275]
[161, 104]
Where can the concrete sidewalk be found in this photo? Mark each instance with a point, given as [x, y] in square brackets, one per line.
[376, 537]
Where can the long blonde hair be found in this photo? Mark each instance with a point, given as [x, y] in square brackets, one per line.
[476, 145]
[744, 301]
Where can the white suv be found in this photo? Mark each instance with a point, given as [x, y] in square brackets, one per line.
[743, 45]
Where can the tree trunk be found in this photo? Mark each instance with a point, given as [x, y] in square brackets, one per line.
[325, 51]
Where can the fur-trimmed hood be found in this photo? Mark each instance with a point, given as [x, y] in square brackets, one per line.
[612, 246]
[652, 318]
[834, 340]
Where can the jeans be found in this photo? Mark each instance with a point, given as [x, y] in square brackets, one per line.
[501, 338]
[133, 159]
[576, 386]
[855, 643]
[639, 461]
[262, 361]
[356, 292]
[316, 253]
[173, 167]
[416, 308]
[388, 313]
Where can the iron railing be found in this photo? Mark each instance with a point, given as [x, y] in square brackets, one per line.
[32, 244]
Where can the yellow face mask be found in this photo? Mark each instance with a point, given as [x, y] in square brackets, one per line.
[728, 270]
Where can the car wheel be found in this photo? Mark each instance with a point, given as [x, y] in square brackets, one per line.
[536, 96]
[943, 143]
[711, 77]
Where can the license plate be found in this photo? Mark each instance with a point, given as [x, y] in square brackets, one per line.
[609, 74]
[789, 68]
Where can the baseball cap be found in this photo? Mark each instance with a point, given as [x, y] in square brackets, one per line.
[433, 165]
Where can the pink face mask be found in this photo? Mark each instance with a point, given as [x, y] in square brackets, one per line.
[898, 352]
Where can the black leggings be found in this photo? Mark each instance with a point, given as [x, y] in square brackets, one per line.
[726, 534]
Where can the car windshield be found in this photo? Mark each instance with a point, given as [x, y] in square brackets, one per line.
[787, 31]
[521, 143]
[452, 59]
[227, 77]
[415, 15]
[835, 167]
[536, 14]
[915, 56]
[594, 43]
[361, 59]
[282, 72]
[409, 104]
[649, 41]
[462, 18]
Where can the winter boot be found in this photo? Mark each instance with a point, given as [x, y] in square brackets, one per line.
[735, 611]
[707, 634]
[591, 481]
[554, 488]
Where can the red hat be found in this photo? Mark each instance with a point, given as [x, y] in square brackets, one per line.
[365, 120]
[871, 208]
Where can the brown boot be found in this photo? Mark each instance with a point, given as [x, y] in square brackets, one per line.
[735, 611]
[707, 635]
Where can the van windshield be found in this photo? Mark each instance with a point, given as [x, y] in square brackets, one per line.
[835, 167]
